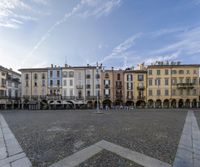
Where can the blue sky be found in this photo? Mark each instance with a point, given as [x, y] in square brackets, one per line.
[119, 33]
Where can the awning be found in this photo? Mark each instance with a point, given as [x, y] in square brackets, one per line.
[66, 102]
[55, 103]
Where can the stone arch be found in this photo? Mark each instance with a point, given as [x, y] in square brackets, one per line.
[150, 103]
[180, 103]
[140, 104]
[187, 103]
[194, 103]
[166, 103]
[158, 103]
[173, 103]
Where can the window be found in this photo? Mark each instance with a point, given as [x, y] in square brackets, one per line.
[71, 74]
[150, 72]
[158, 72]
[71, 92]
[194, 92]
[174, 81]
[188, 71]
[158, 82]
[118, 76]
[188, 92]
[129, 86]
[158, 92]
[88, 93]
[65, 82]
[35, 76]
[97, 76]
[181, 80]
[51, 74]
[106, 92]
[195, 81]
[129, 77]
[174, 72]
[166, 81]
[106, 75]
[106, 82]
[150, 93]
[65, 93]
[35, 84]
[181, 72]
[27, 76]
[65, 74]
[58, 74]
[188, 80]
[71, 82]
[51, 82]
[58, 82]
[173, 92]
[150, 82]
[43, 82]
[195, 71]
[26, 83]
[43, 75]
[181, 92]
[166, 92]
[166, 72]
[140, 77]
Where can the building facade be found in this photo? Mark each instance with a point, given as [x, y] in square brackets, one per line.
[159, 85]
[10, 89]
[173, 85]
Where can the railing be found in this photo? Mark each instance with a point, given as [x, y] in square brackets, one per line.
[91, 97]
[88, 86]
[141, 98]
[140, 87]
[130, 98]
[185, 85]
[107, 86]
[79, 86]
[79, 98]
[118, 86]
[68, 97]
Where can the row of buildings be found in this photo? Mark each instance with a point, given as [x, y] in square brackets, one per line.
[159, 85]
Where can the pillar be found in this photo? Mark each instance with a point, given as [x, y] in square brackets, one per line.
[190, 104]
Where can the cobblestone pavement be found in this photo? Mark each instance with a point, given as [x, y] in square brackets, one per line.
[49, 136]
[197, 115]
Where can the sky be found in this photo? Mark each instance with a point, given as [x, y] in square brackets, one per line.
[119, 33]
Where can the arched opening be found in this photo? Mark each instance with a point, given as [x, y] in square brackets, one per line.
[107, 103]
[90, 104]
[166, 103]
[9, 104]
[158, 103]
[118, 102]
[150, 103]
[194, 103]
[129, 103]
[140, 104]
[44, 105]
[26, 104]
[187, 103]
[173, 103]
[180, 103]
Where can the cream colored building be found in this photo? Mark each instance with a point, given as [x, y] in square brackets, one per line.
[173, 85]
[34, 87]
[135, 87]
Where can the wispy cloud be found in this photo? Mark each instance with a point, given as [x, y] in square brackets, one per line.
[120, 50]
[11, 13]
[84, 8]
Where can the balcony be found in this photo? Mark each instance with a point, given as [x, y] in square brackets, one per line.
[141, 87]
[3, 97]
[68, 97]
[141, 98]
[107, 86]
[80, 98]
[91, 97]
[185, 85]
[129, 98]
[88, 86]
[79, 86]
[54, 97]
[118, 86]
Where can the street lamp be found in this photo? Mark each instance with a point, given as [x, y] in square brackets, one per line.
[97, 77]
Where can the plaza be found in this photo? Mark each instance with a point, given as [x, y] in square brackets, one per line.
[55, 137]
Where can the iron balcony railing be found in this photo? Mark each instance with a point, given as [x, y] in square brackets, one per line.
[185, 85]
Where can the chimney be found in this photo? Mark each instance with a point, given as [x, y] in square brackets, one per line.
[51, 65]
[112, 68]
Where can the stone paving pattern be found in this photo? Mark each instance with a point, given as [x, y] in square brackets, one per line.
[108, 159]
[49, 136]
[11, 153]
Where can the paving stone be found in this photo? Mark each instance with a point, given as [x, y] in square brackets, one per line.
[24, 162]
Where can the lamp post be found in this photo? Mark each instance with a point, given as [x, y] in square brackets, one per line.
[97, 72]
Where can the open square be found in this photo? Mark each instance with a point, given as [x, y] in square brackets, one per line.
[50, 136]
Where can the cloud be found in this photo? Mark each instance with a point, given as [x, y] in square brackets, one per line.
[91, 7]
[120, 50]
